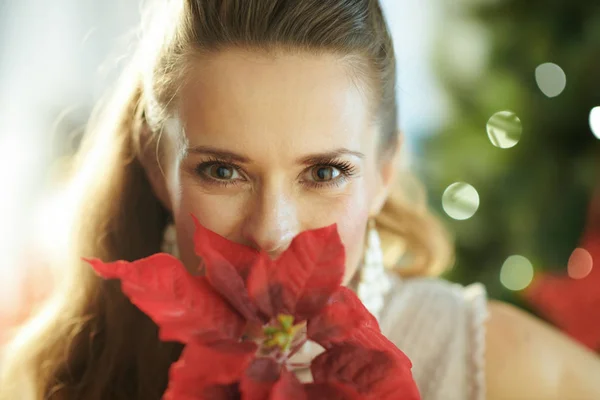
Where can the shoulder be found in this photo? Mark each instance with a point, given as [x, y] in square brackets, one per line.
[437, 288]
[438, 298]
[438, 313]
[448, 330]
[441, 327]
[526, 359]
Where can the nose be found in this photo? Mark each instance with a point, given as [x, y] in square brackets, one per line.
[271, 223]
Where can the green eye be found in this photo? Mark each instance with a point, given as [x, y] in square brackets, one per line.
[222, 172]
[325, 173]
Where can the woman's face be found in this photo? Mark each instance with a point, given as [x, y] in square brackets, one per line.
[273, 147]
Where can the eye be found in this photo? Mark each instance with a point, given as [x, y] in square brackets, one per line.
[324, 173]
[329, 174]
[219, 172]
[222, 172]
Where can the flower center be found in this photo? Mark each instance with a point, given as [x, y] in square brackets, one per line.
[282, 336]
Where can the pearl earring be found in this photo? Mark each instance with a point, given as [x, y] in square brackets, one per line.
[374, 284]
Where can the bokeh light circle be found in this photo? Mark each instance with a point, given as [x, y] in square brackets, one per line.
[516, 273]
[551, 79]
[595, 121]
[504, 129]
[460, 201]
[580, 264]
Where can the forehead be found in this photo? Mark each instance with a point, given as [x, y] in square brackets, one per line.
[291, 102]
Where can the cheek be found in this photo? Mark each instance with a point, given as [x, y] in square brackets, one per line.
[224, 214]
[353, 221]
[351, 226]
[351, 214]
[217, 213]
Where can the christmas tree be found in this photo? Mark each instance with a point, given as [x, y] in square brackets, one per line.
[533, 196]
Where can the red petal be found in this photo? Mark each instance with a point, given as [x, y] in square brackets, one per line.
[181, 305]
[221, 392]
[214, 248]
[288, 388]
[377, 374]
[374, 340]
[331, 391]
[259, 287]
[301, 281]
[207, 370]
[226, 280]
[226, 264]
[259, 379]
[216, 392]
[345, 320]
[341, 317]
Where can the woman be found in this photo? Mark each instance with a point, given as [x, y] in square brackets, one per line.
[265, 118]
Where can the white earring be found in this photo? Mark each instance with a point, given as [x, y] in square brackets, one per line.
[374, 284]
[169, 243]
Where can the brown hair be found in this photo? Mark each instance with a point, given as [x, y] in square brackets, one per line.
[89, 342]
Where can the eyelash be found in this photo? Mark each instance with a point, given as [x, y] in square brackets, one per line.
[200, 168]
[346, 170]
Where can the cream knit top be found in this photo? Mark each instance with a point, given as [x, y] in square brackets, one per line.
[441, 327]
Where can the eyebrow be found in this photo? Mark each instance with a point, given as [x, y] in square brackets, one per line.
[306, 160]
[218, 153]
[328, 156]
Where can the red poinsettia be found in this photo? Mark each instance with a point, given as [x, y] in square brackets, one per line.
[573, 304]
[248, 315]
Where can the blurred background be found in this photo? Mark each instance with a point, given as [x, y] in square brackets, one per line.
[499, 102]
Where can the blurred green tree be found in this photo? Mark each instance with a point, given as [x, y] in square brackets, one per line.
[534, 196]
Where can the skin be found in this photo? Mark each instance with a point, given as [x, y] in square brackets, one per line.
[526, 359]
[280, 119]
[293, 163]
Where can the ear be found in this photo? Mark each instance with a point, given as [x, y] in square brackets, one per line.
[388, 170]
[151, 162]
